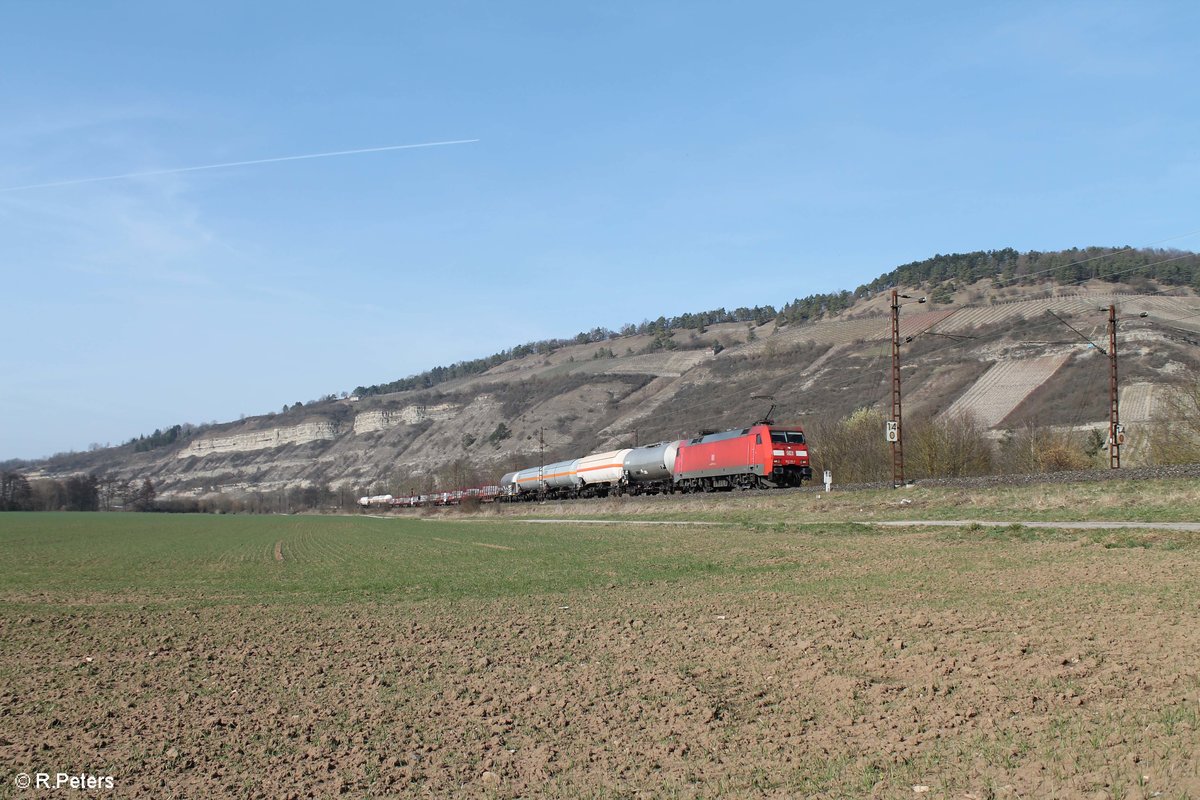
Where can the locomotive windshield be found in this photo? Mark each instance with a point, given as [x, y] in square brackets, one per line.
[787, 437]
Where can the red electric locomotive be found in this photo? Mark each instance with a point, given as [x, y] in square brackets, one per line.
[762, 456]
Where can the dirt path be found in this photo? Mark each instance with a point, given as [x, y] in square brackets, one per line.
[1075, 525]
[574, 521]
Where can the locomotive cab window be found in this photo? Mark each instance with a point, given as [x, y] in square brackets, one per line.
[787, 437]
[758, 438]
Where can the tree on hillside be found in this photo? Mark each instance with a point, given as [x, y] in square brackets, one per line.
[159, 438]
[112, 489]
[497, 436]
[82, 493]
[48, 495]
[144, 499]
[15, 493]
[458, 474]
[315, 496]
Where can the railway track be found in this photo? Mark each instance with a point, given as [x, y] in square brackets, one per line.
[976, 482]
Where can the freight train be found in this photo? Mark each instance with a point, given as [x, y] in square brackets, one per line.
[761, 456]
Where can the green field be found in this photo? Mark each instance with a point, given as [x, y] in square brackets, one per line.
[105, 559]
[185, 559]
[492, 655]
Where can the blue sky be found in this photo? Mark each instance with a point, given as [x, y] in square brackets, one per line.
[634, 159]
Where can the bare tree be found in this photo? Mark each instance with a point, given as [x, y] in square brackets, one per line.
[15, 492]
[1036, 448]
[853, 448]
[1175, 430]
[954, 447]
[144, 499]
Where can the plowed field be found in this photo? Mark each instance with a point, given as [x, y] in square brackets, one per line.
[359, 657]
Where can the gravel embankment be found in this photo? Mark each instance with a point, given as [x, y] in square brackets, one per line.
[1080, 476]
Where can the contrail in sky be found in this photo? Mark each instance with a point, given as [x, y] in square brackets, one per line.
[235, 164]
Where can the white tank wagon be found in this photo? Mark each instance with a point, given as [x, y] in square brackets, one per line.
[528, 481]
[374, 500]
[558, 478]
[638, 470]
[650, 468]
[562, 475]
[601, 473]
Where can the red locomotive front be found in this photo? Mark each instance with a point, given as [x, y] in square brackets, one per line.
[789, 456]
[761, 456]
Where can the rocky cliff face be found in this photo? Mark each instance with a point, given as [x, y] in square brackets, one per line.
[991, 359]
[268, 439]
[381, 419]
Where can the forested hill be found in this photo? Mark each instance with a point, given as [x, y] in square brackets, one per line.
[1005, 267]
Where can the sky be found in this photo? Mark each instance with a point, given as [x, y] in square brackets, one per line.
[630, 160]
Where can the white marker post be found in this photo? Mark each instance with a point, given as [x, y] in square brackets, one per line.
[828, 480]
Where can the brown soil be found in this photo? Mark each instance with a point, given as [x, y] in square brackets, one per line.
[1026, 670]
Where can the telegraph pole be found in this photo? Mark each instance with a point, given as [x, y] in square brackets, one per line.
[894, 427]
[541, 460]
[893, 433]
[1115, 434]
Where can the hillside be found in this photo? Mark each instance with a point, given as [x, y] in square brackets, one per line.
[989, 348]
